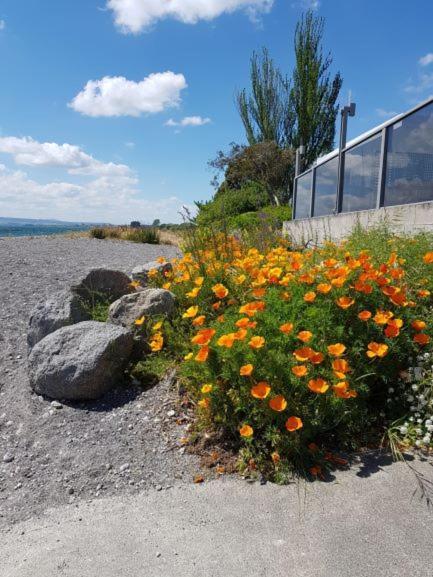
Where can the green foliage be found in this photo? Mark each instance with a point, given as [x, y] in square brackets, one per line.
[145, 235]
[96, 305]
[152, 369]
[97, 232]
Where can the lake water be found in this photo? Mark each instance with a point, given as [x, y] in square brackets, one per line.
[39, 230]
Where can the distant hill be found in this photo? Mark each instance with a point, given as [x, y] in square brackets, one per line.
[8, 221]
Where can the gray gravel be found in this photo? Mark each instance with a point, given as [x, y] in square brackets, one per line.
[52, 455]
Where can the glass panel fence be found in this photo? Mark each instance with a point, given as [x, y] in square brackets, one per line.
[303, 195]
[361, 175]
[409, 162]
[326, 188]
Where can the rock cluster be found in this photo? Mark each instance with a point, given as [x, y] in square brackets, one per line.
[72, 357]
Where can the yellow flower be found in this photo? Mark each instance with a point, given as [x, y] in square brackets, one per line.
[256, 342]
[190, 313]
[157, 342]
[188, 357]
[193, 292]
[207, 388]
[220, 291]
[157, 326]
[139, 322]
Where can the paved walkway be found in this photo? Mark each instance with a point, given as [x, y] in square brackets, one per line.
[367, 523]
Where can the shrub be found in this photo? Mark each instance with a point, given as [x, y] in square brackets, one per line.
[98, 232]
[145, 235]
[288, 353]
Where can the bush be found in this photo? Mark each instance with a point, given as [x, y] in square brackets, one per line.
[290, 353]
[272, 216]
[98, 232]
[145, 235]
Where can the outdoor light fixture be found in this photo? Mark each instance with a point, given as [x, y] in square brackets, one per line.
[346, 111]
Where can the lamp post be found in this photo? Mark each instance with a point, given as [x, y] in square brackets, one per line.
[346, 111]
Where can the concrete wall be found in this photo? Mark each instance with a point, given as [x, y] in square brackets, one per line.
[407, 218]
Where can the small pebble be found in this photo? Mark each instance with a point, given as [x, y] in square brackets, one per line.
[8, 458]
[56, 405]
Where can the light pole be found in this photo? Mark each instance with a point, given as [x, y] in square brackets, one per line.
[346, 111]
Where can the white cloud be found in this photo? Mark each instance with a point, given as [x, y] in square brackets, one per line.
[385, 113]
[130, 144]
[426, 60]
[189, 121]
[134, 16]
[29, 152]
[422, 84]
[117, 96]
[2, 24]
[103, 199]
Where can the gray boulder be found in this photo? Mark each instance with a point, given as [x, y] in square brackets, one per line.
[101, 281]
[141, 272]
[147, 302]
[62, 309]
[79, 362]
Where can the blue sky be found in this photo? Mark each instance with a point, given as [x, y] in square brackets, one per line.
[134, 144]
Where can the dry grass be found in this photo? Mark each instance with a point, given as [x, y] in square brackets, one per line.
[151, 235]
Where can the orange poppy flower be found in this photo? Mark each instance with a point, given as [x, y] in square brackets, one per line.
[216, 305]
[220, 291]
[226, 340]
[418, 325]
[203, 337]
[341, 367]
[318, 385]
[199, 321]
[345, 302]
[316, 358]
[423, 293]
[246, 370]
[204, 403]
[193, 292]
[278, 403]
[275, 457]
[342, 391]
[240, 334]
[310, 297]
[324, 288]
[364, 315]
[246, 431]
[190, 313]
[139, 322]
[303, 354]
[383, 317]
[305, 336]
[421, 339]
[243, 323]
[293, 424]
[391, 331]
[203, 354]
[256, 342]
[207, 388]
[428, 258]
[286, 328]
[259, 292]
[299, 370]
[336, 350]
[156, 343]
[377, 350]
[261, 390]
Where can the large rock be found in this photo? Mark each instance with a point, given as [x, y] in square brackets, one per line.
[141, 273]
[62, 309]
[79, 362]
[147, 302]
[101, 281]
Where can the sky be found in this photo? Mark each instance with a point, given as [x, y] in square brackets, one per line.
[111, 109]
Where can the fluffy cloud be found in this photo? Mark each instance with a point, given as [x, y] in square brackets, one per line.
[189, 121]
[385, 113]
[28, 152]
[426, 60]
[103, 199]
[134, 16]
[117, 96]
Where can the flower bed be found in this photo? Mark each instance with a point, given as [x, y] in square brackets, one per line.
[289, 353]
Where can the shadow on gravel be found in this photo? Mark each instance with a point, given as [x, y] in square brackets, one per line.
[113, 400]
[375, 461]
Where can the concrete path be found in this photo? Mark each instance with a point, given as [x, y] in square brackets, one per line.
[366, 523]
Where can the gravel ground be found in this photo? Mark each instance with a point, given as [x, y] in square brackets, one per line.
[50, 456]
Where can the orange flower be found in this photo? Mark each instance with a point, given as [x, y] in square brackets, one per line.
[226, 340]
[246, 431]
[190, 313]
[423, 293]
[204, 403]
[246, 370]
[336, 350]
[278, 403]
[318, 385]
[364, 315]
[393, 328]
[203, 337]
[305, 336]
[203, 354]
[421, 339]
[207, 388]
[293, 424]
[250, 309]
[245, 323]
[324, 288]
[275, 457]
[345, 302]
[377, 350]
[341, 367]
[139, 322]
[383, 317]
[341, 390]
[221, 318]
[193, 293]
[216, 305]
[286, 328]
[310, 297]
[261, 390]
[299, 370]
[156, 343]
[303, 354]
[428, 258]
[199, 321]
[220, 291]
[240, 334]
[418, 325]
[256, 342]
[259, 292]
[316, 358]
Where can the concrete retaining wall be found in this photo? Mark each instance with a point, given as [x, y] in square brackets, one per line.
[407, 218]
